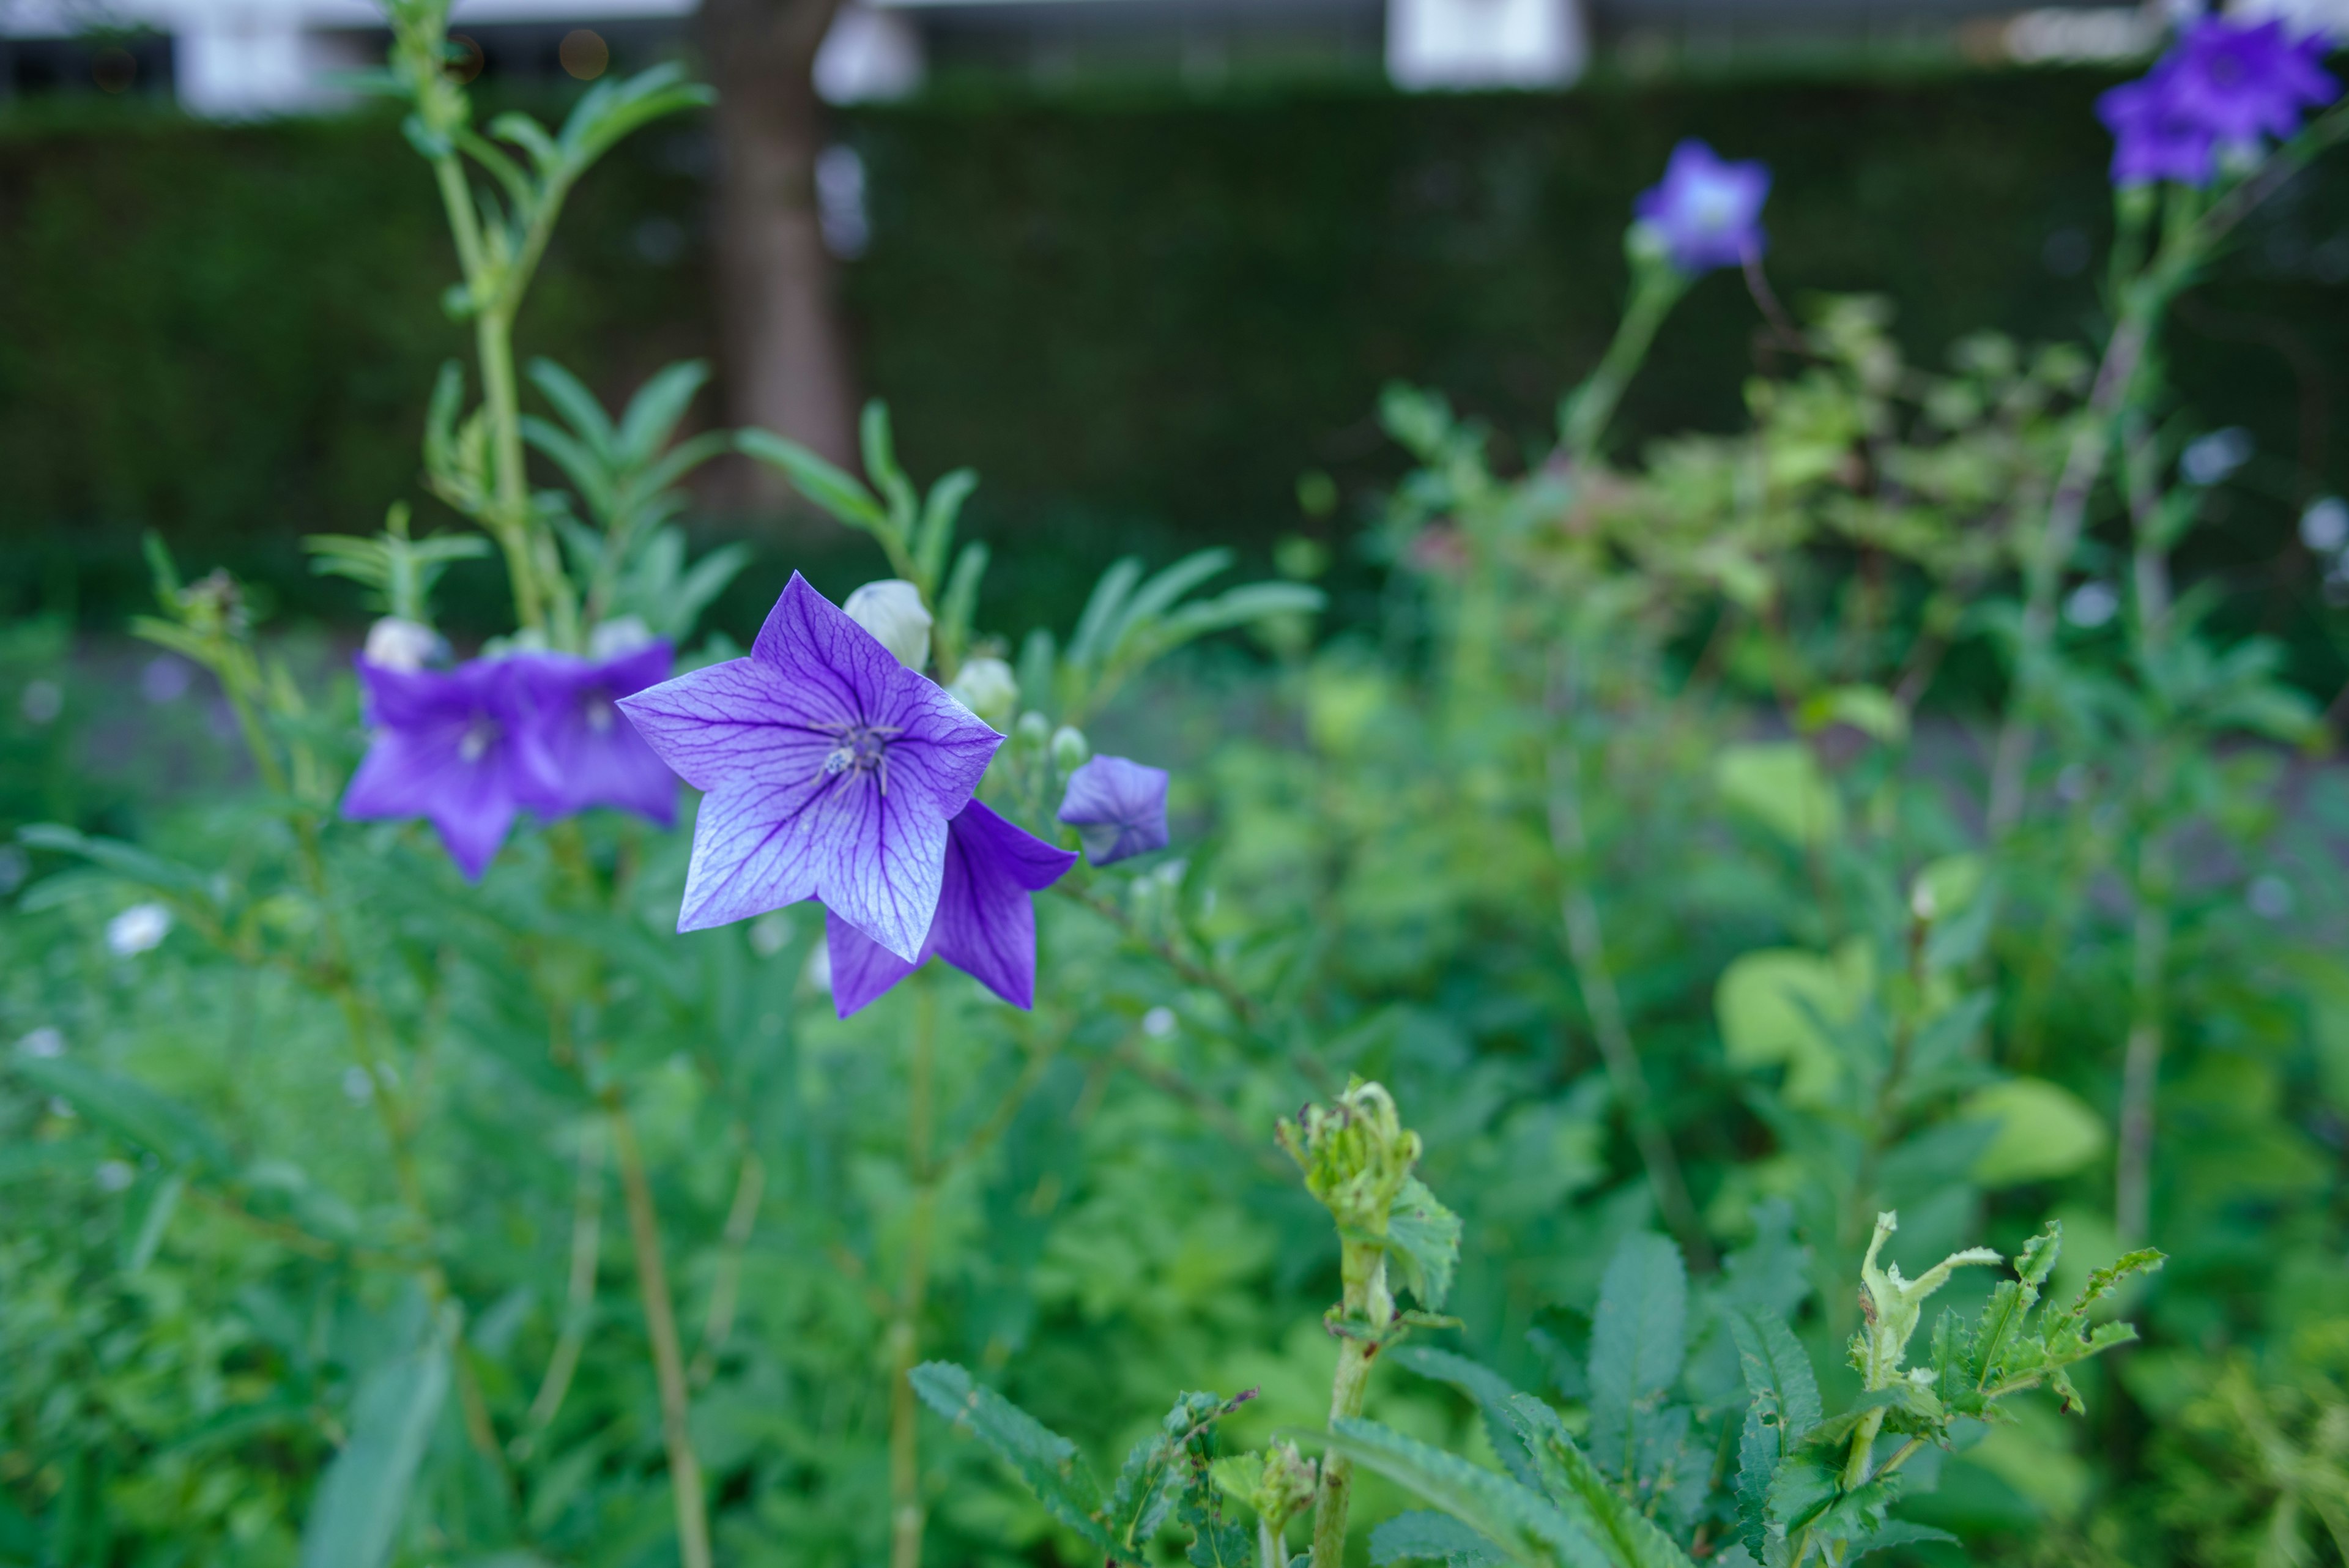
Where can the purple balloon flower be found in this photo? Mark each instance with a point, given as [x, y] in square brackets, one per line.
[1118, 808]
[1707, 211]
[985, 925]
[2221, 84]
[447, 747]
[577, 752]
[830, 771]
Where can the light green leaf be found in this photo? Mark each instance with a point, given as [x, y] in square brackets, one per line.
[1778, 1006]
[173, 1132]
[1424, 1535]
[1629, 1537]
[1780, 784]
[1524, 1525]
[356, 1517]
[2044, 1131]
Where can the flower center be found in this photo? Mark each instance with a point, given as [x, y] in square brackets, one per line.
[860, 749]
[479, 737]
[1712, 205]
[597, 709]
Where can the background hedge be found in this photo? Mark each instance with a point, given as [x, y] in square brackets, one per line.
[1139, 315]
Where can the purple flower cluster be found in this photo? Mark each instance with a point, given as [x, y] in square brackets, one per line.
[831, 771]
[473, 747]
[2221, 87]
[1707, 210]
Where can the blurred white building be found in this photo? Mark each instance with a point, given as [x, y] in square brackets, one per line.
[243, 58]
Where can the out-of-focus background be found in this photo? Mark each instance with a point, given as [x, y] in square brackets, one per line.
[1144, 263]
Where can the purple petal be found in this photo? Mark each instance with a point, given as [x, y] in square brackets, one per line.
[1119, 807]
[862, 969]
[985, 925]
[831, 772]
[576, 750]
[444, 749]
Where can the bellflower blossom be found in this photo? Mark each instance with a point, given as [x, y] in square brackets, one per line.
[985, 925]
[830, 771]
[1118, 808]
[1707, 212]
[576, 750]
[2221, 86]
[447, 747]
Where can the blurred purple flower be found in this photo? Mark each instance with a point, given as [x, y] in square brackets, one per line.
[1707, 211]
[830, 773]
[1118, 808]
[577, 752]
[985, 925]
[447, 747]
[2221, 84]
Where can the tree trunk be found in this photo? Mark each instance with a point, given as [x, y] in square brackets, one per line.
[783, 351]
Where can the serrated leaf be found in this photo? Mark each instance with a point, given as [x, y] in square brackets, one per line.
[1525, 1525]
[1424, 1535]
[1638, 1339]
[1785, 1392]
[1046, 1462]
[355, 1518]
[1895, 1533]
[1424, 1239]
[1489, 1390]
[1629, 1537]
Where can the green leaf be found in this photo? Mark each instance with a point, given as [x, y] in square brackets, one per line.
[171, 1131]
[1785, 1392]
[1423, 1238]
[147, 1211]
[1523, 1523]
[653, 413]
[1779, 1006]
[356, 1517]
[127, 861]
[1638, 1339]
[1426, 1536]
[2044, 1131]
[1895, 1533]
[1630, 1539]
[835, 490]
[1089, 644]
[1046, 1462]
[1780, 784]
[1489, 1390]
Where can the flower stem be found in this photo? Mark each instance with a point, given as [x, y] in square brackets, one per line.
[510, 508]
[660, 1325]
[1655, 288]
[2141, 1061]
[905, 1515]
[579, 1292]
[1368, 1310]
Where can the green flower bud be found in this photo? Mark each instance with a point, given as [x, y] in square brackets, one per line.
[1356, 1156]
[1285, 1486]
[1069, 749]
[987, 688]
[893, 611]
[1033, 732]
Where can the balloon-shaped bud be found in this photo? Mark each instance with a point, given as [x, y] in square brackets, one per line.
[893, 611]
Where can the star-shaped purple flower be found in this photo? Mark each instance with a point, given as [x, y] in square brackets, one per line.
[2222, 85]
[447, 747]
[1118, 808]
[576, 750]
[1706, 211]
[830, 771]
[986, 922]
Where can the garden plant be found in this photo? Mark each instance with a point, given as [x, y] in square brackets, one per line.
[1781, 1004]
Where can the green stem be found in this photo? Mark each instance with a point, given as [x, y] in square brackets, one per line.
[509, 507]
[2141, 1060]
[905, 1515]
[1270, 1552]
[1655, 289]
[1368, 1312]
[660, 1325]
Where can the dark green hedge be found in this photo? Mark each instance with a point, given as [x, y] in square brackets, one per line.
[1140, 318]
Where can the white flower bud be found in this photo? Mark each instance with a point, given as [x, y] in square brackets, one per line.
[614, 638]
[892, 610]
[1033, 730]
[137, 929]
[1069, 749]
[987, 688]
[404, 645]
